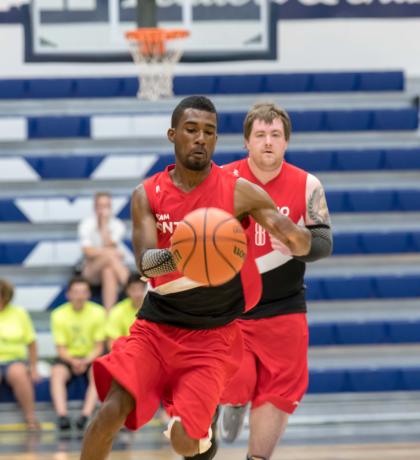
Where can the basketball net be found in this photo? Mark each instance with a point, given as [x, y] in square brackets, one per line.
[155, 53]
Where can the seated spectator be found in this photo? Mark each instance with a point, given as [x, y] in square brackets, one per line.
[101, 237]
[123, 314]
[78, 329]
[17, 340]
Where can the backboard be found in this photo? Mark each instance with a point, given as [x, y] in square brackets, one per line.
[86, 30]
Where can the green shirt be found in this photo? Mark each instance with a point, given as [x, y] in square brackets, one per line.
[78, 331]
[16, 333]
[120, 319]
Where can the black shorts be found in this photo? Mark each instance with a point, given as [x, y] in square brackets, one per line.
[65, 363]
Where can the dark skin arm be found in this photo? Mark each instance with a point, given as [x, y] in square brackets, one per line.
[253, 200]
[144, 224]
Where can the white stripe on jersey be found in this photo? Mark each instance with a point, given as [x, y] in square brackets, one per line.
[271, 260]
[178, 285]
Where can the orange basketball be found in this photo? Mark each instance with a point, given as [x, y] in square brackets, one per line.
[209, 246]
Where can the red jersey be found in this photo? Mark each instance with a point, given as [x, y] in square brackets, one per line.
[282, 276]
[175, 299]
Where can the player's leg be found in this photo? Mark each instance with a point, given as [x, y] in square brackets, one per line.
[129, 380]
[97, 441]
[267, 424]
[281, 344]
[239, 392]
[199, 388]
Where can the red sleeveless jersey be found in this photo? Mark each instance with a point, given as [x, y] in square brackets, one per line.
[282, 276]
[173, 298]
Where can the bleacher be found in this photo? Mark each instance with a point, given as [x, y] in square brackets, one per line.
[364, 302]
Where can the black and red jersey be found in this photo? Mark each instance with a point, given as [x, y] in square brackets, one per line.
[282, 276]
[175, 299]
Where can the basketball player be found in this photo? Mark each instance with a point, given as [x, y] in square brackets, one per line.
[185, 343]
[274, 375]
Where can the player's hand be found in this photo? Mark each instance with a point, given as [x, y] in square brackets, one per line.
[277, 245]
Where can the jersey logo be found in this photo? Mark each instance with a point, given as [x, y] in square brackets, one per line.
[157, 188]
[261, 234]
[236, 172]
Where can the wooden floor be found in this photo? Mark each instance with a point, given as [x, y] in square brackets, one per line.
[401, 451]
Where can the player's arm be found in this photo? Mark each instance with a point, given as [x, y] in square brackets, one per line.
[150, 261]
[253, 200]
[317, 221]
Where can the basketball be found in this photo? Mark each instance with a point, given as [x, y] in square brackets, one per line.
[209, 246]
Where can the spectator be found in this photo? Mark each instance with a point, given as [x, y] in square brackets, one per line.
[78, 328]
[123, 314]
[101, 237]
[17, 340]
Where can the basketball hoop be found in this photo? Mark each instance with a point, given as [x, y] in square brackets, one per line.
[156, 56]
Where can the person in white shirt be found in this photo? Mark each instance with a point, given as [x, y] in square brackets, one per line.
[101, 237]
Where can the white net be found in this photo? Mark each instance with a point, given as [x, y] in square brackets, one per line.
[156, 52]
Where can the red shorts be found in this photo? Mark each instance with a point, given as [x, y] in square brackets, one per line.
[274, 367]
[186, 369]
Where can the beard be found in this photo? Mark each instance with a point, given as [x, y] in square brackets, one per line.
[196, 163]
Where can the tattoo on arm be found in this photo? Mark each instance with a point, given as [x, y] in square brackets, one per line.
[317, 207]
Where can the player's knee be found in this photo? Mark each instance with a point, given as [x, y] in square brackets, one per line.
[181, 442]
[116, 408]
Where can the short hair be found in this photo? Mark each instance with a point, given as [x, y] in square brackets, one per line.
[76, 280]
[134, 278]
[267, 112]
[191, 102]
[6, 291]
[100, 195]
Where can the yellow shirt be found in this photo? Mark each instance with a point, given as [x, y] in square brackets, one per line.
[16, 333]
[78, 331]
[120, 319]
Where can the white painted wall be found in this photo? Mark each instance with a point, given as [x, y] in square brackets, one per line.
[356, 44]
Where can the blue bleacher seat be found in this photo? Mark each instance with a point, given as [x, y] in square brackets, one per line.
[9, 212]
[375, 379]
[195, 84]
[337, 201]
[322, 334]
[63, 167]
[409, 200]
[15, 252]
[286, 83]
[402, 158]
[358, 333]
[371, 200]
[327, 381]
[321, 160]
[381, 81]
[386, 242]
[348, 120]
[404, 331]
[239, 84]
[411, 378]
[334, 82]
[415, 238]
[308, 120]
[48, 88]
[13, 89]
[58, 127]
[351, 287]
[347, 243]
[359, 160]
[314, 289]
[129, 86]
[388, 287]
[395, 119]
[98, 87]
